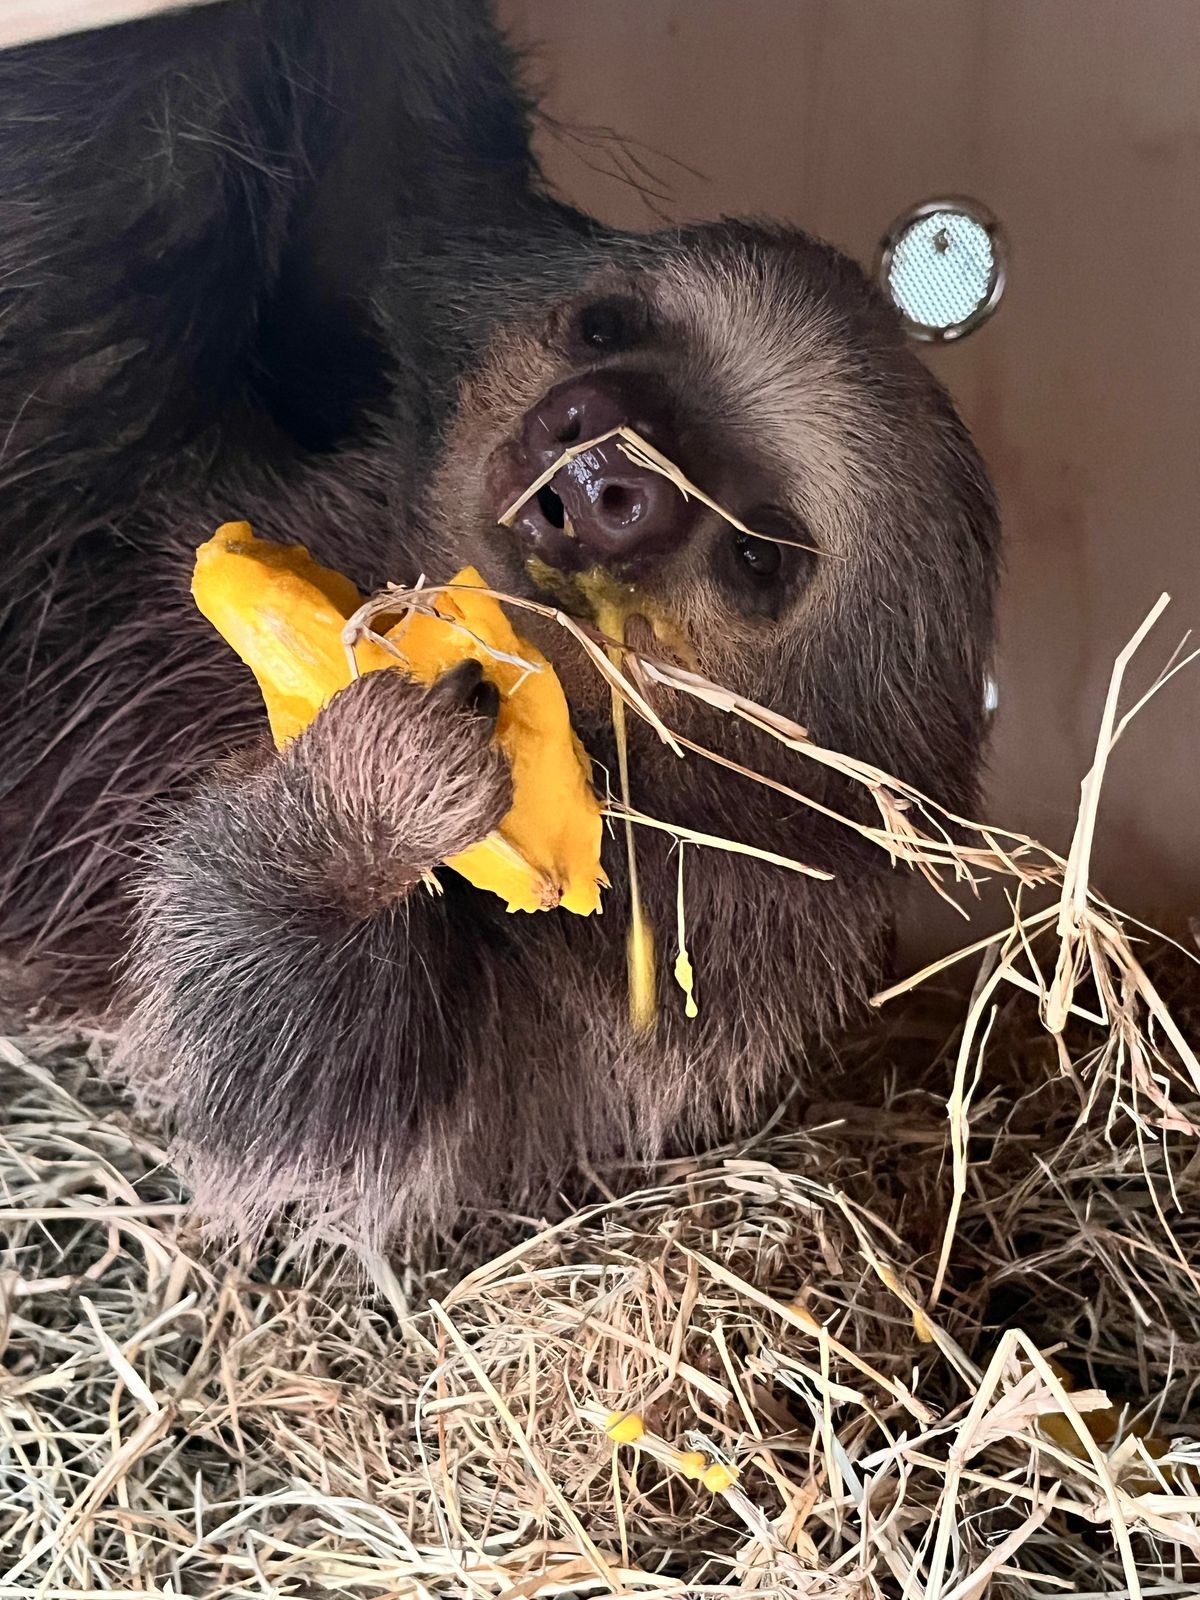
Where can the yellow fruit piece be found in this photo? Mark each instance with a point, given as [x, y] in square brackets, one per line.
[1101, 1424]
[714, 1475]
[625, 1427]
[719, 1477]
[283, 614]
[547, 850]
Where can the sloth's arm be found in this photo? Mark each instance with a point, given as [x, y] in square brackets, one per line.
[197, 210]
[290, 969]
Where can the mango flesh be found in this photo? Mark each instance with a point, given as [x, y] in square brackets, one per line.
[283, 615]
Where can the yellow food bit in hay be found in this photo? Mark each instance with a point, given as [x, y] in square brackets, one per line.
[624, 1427]
[718, 1477]
[922, 1326]
[801, 1312]
[1102, 1424]
[714, 1475]
[284, 615]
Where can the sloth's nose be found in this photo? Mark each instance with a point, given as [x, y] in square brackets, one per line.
[601, 507]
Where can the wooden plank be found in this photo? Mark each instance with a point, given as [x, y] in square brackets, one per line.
[24, 21]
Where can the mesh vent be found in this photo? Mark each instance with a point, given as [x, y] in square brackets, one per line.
[942, 268]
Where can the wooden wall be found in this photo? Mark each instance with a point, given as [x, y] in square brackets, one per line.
[1078, 122]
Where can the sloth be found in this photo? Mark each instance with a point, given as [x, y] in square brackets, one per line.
[294, 264]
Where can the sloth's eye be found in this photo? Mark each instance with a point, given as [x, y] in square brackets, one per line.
[783, 538]
[771, 566]
[758, 556]
[612, 324]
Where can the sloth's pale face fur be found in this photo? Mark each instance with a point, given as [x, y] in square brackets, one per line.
[797, 406]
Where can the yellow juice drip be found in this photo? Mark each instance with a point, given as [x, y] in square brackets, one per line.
[685, 977]
[639, 943]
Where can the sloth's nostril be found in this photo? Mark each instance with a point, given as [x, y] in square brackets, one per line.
[604, 506]
[551, 507]
[619, 503]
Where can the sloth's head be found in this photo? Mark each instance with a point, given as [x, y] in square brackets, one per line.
[773, 374]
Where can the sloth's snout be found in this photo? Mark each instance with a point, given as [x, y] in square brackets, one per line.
[601, 507]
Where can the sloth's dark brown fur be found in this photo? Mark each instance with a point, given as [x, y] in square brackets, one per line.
[292, 263]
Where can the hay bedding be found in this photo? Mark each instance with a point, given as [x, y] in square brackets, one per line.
[938, 1340]
[179, 1420]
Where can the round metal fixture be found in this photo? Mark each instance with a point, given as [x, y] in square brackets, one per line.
[943, 264]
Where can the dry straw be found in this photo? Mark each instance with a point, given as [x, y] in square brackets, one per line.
[935, 1338]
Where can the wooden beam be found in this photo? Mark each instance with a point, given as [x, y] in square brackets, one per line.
[23, 21]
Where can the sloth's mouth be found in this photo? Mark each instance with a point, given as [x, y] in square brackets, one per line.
[625, 613]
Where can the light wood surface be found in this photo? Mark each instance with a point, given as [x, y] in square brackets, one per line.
[25, 21]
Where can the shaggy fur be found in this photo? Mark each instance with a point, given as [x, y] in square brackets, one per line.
[290, 262]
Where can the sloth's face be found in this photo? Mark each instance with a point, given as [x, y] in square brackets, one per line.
[767, 369]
